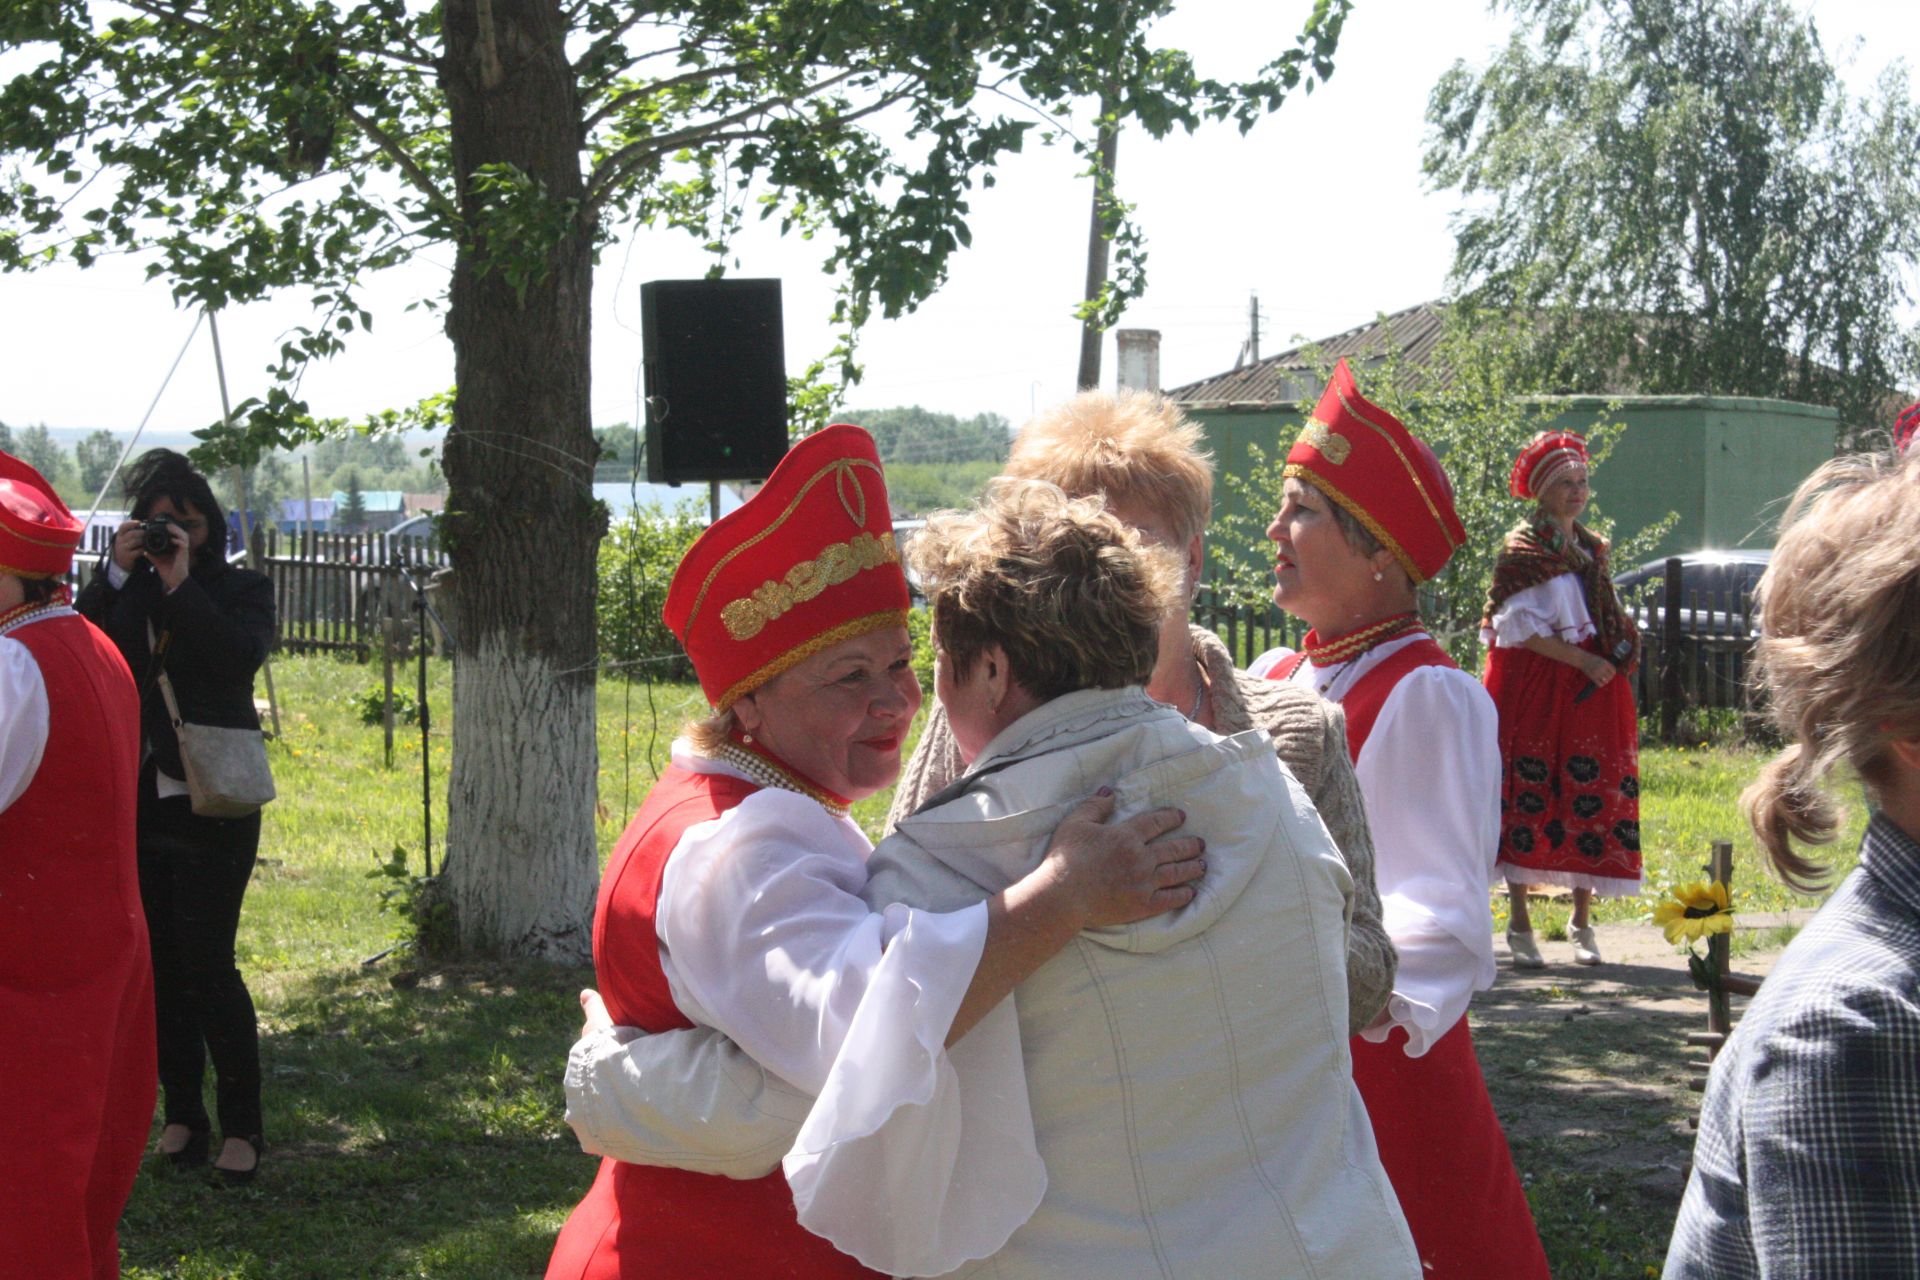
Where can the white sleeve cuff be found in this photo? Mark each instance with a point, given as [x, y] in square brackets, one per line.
[905, 1121]
[686, 1099]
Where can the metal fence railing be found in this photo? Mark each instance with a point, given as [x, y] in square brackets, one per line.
[1694, 657]
[1248, 630]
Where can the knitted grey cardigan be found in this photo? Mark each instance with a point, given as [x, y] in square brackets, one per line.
[1310, 737]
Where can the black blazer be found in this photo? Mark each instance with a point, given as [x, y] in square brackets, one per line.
[219, 625]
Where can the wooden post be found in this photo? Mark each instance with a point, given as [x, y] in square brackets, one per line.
[1670, 653]
[386, 649]
[1720, 948]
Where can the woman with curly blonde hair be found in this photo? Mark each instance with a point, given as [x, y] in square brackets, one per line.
[1806, 1163]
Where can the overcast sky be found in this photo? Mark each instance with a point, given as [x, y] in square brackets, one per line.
[1320, 210]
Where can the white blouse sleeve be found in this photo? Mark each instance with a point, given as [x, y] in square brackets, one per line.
[685, 1099]
[1430, 772]
[23, 720]
[763, 935]
[1555, 608]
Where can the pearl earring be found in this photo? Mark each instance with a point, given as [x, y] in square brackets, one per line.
[1379, 576]
[746, 737]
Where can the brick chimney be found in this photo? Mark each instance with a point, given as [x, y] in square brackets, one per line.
[1139, 363]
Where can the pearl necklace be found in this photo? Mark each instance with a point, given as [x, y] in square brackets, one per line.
[768, 774]
[21, 614]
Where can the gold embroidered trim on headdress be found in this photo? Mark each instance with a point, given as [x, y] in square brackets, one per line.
[842, 471]
[1330, 444]
[801, 652]
[747, 616]
[1295, 471]
[33, 574]
[1413, 473]
[70, 542]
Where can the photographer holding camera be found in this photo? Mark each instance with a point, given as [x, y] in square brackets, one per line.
[183, 617]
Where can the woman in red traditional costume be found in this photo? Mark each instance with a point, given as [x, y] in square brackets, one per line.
[76, 987]
[1569, 735]
[1367, 516]
[732, 900]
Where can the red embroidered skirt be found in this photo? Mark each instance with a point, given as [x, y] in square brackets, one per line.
[1570, 775]
[1444, 1152]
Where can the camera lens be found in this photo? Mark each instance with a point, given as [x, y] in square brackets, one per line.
[157, 536]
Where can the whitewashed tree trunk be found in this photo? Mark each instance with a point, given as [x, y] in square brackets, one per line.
[522, 869]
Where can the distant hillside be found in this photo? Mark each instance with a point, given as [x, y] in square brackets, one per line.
[67, 437]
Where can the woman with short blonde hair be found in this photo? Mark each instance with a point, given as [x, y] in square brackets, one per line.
[1806, 1162]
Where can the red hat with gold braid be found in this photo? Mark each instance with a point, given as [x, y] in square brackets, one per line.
[1546, 455]
[38, 535]
[1366, 460]
[808, 562]
[1904, 427]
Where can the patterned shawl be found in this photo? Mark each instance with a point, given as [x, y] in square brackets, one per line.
[1536, 552]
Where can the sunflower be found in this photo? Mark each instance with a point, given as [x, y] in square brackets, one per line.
[1695, 911]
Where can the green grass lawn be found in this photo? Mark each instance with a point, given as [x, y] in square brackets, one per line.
[414, 1116]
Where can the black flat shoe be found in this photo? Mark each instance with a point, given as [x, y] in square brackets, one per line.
[194, 1153]
[242, 1177]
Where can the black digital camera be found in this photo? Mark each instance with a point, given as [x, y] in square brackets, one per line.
[156, 536]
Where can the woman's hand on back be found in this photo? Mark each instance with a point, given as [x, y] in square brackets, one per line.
[1117, 872]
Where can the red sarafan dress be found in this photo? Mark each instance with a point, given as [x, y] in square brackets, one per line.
[77, 1071]
[638, 1220]
[1439, 1138]
[1569, 753]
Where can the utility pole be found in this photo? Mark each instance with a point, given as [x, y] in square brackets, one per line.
[1107, 152]
[1253, 322]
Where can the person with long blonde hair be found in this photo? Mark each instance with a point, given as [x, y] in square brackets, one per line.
[1808, 1156]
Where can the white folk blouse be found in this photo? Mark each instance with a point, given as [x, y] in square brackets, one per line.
[1556, 608]
[23, 720]
[764, 937]
[1430, 773]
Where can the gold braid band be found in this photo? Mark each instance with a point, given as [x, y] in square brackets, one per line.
[1352, 645]
[806, 649]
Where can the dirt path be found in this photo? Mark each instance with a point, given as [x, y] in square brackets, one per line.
[1588, 1072]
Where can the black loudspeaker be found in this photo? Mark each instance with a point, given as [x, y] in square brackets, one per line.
[716, 378]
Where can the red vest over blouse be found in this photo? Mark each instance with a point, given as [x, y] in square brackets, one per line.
[1362, 703]
[640, 1221]
[1439, 1139]
[76, 981]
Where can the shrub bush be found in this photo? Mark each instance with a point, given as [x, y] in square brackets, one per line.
[637, 560]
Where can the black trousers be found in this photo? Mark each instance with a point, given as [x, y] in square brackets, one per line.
[193, 876]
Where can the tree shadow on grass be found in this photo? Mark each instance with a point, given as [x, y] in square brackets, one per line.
[413, 1131]
[1588, 1073]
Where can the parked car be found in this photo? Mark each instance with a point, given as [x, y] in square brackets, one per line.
[1716, 593]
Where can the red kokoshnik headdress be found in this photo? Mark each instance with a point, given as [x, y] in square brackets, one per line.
[1904, 427]
[38, 535]
[808, 562]
[1366, 460]
[1545, 456]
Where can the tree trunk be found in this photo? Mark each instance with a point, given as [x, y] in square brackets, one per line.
[522, 527]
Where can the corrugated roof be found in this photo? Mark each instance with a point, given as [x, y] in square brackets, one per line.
[1285, 379]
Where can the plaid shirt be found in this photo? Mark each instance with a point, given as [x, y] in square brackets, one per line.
[1808, 1159]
